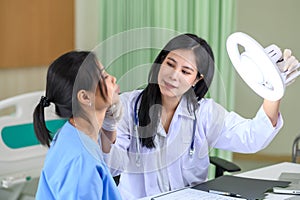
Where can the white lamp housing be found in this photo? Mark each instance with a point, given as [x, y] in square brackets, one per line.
[257, 66]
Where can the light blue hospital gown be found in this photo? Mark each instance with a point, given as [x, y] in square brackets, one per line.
[74, 169]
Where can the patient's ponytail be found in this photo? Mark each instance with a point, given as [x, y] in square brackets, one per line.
[61, 77]
[40, 129]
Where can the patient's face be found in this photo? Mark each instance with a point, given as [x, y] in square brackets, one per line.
[113, 90]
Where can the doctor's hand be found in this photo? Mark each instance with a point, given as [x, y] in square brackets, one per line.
[289, 67]
[112, 116]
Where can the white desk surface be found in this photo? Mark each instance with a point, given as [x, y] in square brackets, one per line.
[271, 172]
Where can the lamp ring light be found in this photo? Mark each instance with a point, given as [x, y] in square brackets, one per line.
[257, 65]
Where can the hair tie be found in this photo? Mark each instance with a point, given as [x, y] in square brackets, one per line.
[44, 101]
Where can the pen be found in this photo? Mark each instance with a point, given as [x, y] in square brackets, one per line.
[224, 193]
[153, 198]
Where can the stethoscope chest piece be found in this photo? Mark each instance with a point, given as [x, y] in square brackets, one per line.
[191, 152]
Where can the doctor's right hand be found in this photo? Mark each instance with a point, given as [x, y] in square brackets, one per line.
[112, 116]
[289, 67]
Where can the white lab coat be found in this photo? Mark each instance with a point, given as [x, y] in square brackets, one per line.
[170, 166]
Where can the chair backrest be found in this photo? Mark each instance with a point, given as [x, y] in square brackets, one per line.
[21, 155]
[296, 150]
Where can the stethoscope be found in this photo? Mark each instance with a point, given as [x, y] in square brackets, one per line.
[136, 123]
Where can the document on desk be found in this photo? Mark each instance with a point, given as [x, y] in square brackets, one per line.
[192, 194]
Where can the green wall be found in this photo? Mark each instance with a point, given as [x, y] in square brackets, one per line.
[272, 22]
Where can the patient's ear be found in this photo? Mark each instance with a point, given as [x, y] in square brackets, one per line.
[84, 97]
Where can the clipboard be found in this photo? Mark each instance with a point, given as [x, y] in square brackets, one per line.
[248, 188]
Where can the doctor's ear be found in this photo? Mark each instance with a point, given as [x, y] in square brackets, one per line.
[84, 98]
[198, 79]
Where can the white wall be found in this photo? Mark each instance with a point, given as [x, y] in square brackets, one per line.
[86, 24]
[21, 80]
[272, 22]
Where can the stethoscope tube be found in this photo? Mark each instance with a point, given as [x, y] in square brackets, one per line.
[136, 123]
[192, 147]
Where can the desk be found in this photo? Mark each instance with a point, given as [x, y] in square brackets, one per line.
[271, 172]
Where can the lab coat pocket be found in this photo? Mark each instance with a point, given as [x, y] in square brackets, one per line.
[194, 170]
[195, 166]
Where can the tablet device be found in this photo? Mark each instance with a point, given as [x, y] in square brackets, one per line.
[291, 189]
[294, 186]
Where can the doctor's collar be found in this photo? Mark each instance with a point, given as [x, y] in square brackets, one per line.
[182, 109]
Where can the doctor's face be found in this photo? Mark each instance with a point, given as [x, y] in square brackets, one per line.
[177, 73]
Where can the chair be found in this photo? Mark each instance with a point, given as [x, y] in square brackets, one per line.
[296, 149]
[21, 155]
[223, 165]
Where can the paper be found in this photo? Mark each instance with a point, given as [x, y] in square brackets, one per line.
[192, 194]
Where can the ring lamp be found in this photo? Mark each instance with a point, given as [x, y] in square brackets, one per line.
[257, 65]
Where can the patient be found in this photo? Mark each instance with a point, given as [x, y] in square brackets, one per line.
[83, 92]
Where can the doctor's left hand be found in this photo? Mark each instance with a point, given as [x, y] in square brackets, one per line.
[112, 116]
[289, 67]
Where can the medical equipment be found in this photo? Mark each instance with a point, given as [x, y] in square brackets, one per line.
[136, 123]
[257, 66]
[192, 149]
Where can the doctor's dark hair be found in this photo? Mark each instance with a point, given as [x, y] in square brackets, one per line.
[68, 74]
[149, 112]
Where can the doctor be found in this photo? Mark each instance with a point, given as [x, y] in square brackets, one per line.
[167, 130]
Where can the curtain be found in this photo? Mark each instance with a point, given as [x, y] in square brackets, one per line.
[133, 31]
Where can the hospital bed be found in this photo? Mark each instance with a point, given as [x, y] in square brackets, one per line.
[21, 155]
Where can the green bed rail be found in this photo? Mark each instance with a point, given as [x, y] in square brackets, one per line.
[22, 135]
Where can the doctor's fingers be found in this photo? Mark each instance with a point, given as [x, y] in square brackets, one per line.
[286, 54]
[291, 63]
[292, 75]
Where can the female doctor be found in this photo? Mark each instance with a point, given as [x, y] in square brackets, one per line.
[167, 129]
